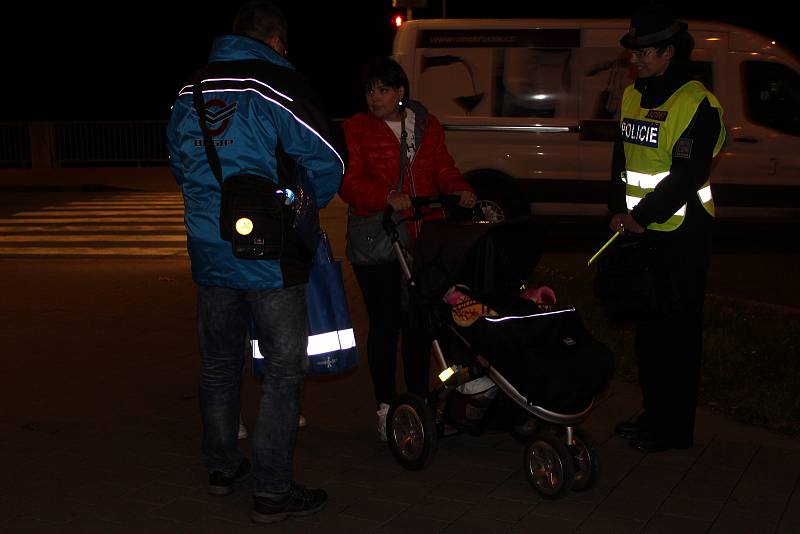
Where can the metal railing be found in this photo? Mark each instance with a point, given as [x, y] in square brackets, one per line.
[76, 144]
[119, 143]
[84, 144]
[15, 146]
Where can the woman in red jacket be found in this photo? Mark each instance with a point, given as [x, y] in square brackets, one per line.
[369, 185]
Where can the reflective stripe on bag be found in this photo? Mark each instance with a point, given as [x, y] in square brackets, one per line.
[321, 343]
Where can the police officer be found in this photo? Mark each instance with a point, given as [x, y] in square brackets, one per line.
[671, 129]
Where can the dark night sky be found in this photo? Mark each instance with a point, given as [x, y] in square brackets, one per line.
[127, 60]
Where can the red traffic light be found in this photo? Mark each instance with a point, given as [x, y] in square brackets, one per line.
[397, 20]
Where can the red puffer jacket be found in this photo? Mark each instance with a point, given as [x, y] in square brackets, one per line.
[374, 164]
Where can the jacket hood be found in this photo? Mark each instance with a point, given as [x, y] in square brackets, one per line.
[241, 48]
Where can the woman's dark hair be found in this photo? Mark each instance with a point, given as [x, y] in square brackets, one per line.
[388, 72]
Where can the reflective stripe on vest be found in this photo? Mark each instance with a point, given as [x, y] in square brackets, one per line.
[638, 184]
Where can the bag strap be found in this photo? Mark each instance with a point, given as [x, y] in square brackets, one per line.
[403, 152]
[208, 142]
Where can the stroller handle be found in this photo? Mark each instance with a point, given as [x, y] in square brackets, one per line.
[417, 205]
[435, 201]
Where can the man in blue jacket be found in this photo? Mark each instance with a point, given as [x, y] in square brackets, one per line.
[262, 118]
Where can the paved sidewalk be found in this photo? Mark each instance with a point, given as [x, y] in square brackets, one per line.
[100, 432]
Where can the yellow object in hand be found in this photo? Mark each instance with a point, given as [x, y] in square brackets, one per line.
[613, 237]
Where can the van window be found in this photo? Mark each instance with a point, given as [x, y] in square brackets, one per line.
[498, 72]
[773, 95]
[605, 73]
[534, 82]
[525, 82]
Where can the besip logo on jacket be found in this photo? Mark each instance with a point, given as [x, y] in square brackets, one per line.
[217, 121]
[640, 132]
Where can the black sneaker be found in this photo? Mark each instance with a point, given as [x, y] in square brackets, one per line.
[299, 501]
[221, 484]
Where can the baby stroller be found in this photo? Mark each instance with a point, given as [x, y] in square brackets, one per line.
[505, 362]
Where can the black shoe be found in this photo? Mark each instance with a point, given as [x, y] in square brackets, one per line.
[632, 429]
[651, 444]
[221, 484]
[299, 501]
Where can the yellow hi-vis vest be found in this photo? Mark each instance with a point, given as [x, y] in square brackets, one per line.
[649, 137]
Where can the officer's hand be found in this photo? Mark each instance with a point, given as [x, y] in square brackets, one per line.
[623, 223]
[399, 201]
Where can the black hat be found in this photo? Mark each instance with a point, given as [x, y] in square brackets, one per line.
[652, 25]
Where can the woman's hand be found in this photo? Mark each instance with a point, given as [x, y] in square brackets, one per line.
[467, 199]
[623, 223]
[399, 201]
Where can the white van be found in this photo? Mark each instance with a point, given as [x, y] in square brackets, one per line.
[536, 103]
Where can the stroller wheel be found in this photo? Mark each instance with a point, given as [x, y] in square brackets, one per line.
[548, 465]
[411, 432]
[488, 211]
[584, 460]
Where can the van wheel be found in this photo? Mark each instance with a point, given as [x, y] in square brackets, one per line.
[501, 189]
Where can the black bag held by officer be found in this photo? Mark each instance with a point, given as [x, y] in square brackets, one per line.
[633, 281]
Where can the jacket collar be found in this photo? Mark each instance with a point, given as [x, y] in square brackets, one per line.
[420, 117]
[241, 48]
[657, 89]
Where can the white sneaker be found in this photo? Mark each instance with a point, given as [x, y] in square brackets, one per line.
[301, 421]
[383, 409]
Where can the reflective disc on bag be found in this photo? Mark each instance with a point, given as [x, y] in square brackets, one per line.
[244, 226]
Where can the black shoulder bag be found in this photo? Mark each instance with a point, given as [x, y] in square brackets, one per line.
[634, 282]
[255, 213]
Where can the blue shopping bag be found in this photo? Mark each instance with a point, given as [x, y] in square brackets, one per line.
[331, 343]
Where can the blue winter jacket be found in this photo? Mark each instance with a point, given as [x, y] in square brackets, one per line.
[259, 111]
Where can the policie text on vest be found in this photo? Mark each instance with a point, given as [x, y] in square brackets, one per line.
[640, 132]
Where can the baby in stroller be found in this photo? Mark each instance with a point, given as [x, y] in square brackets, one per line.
[508, 355]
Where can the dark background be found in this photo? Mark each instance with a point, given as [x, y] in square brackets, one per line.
[126, 60]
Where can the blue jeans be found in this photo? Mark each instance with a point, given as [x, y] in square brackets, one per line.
[223, 315]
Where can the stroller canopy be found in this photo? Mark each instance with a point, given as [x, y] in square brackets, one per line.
[490, 259]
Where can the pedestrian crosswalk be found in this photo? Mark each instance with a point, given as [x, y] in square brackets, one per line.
[118, 225]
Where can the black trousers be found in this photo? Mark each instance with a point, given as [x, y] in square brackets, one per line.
[382, 287]
[669, 352]
[669, 347]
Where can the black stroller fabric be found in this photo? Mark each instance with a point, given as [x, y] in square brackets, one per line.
[551, 359]
[490, 259]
